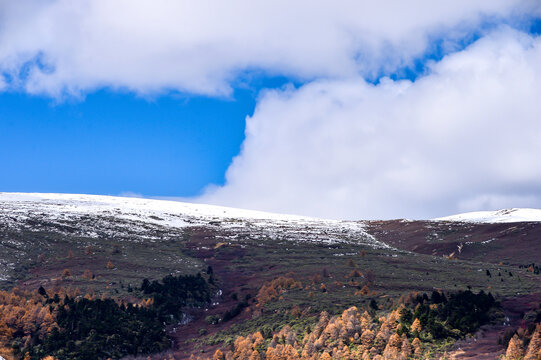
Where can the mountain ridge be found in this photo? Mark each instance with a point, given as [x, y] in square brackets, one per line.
[110, 202]
[498, 216]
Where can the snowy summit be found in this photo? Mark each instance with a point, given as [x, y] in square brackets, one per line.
[143, 216]
[499, 216]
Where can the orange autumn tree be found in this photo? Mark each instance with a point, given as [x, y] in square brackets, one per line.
[417, 349]
[514, 349]
[272, 290]
[517, 350]
[416, 326]
[88, 274]
[534, 348]
[351, 335]
[218, 355]
[66, 273]
[23, 312]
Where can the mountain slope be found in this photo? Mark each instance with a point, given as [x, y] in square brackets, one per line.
[499, 216]
[107, 245]
[18, 208]
[36, 224]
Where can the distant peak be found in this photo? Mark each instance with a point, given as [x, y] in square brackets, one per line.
[497, 216]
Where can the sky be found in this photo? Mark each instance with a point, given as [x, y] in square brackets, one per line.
[343, 109]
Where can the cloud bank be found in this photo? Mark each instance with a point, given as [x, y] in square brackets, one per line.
[60, 47]
[466, 137]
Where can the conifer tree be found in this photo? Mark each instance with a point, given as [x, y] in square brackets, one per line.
[406, 347]
[416, 326]
[514, 349]
[417, 349]
[534, 349]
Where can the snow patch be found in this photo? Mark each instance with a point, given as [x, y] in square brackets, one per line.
[95, 214]
[500, 216]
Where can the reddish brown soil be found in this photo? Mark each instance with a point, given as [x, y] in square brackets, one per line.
[202, 245]
[513, 243]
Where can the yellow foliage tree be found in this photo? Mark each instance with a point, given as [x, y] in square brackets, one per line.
[87, 274]
[534, 348]
[406, 347]
[416, 326]
[272, 290]
[417, 349]
[350, 335]
[218, 355]
[514, 349]
[66, 273]
[325, 356]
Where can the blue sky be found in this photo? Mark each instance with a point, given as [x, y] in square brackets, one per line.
[111, 143]
[120, 143]
[352, 108]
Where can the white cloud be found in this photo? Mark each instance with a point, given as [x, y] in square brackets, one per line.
[349, 149]
[464, 137]
[200, 46]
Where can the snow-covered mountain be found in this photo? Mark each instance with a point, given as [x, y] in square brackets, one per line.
[173, 212]
[136, 220]
[500, 216]
[95, 213]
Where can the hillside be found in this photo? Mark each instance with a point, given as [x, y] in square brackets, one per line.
[500, 216]
[144, 231]
[493, 239]
[264, 271]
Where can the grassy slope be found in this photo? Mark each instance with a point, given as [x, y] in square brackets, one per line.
[40, 257]
[242, 264]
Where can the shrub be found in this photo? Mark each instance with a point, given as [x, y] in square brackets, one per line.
[88, 275]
